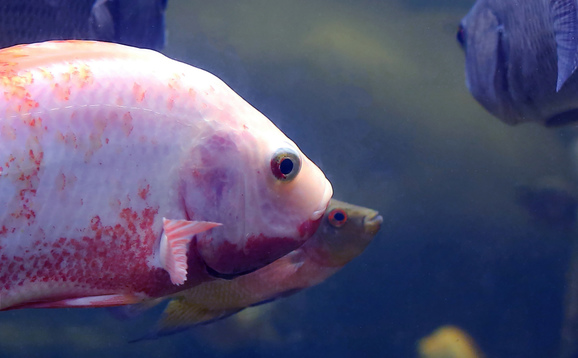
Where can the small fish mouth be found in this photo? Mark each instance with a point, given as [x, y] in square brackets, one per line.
[372, 224]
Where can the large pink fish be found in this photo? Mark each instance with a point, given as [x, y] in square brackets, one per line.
[126, 175]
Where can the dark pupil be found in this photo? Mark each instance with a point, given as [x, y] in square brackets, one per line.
[339, 216]
[286, 166]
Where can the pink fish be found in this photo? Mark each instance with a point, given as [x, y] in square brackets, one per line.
[125, 175]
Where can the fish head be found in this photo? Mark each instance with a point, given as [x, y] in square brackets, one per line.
[511, 69]
[252, 179]
[344, 233]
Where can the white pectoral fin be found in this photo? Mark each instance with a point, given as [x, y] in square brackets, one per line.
[177, 235]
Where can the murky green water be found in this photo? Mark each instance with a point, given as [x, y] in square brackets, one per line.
[374, 93]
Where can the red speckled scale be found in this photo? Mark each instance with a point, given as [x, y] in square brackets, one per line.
[99, 142]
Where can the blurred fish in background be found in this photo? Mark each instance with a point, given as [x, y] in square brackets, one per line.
[137, 23]
[550, 202]
[521, 57]
[448, 342]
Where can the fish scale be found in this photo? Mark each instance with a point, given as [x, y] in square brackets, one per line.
[99, 142]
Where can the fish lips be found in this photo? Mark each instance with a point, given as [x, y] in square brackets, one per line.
[372, 224]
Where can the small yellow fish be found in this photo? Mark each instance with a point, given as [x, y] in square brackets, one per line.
[448, 342]
[344, 233]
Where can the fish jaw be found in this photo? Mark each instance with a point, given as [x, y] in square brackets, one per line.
[234, 184]
[272, 231]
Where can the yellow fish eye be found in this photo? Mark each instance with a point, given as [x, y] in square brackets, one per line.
[285, 164]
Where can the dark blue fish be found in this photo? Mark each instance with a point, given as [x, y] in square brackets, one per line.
[137, 23]
[521, 59]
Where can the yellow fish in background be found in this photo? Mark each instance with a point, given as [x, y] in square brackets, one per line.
[343, 234]
[448, 342]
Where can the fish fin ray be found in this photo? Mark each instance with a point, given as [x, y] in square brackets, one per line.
[177, 235]
[100, 22]
[564, 15]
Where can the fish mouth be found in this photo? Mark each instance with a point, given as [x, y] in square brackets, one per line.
[225, 276]
[327, 194]
[372, 224]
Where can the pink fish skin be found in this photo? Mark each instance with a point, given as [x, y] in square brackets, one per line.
[126, 175]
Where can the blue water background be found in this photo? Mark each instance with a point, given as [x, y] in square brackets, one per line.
[373, 92]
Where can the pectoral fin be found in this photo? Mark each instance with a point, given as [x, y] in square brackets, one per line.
[175, 240]
[564, 15]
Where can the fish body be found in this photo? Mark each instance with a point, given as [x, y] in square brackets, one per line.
[344, 233]
[521, 57]
[137, 23]
[126, 175]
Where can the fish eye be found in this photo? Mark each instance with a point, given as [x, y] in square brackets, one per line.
[337, 217]
[285, 164]
[461, 35]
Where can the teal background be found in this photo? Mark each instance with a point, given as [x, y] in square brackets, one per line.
[373, 92]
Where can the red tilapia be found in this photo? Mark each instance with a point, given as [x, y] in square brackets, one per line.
[125, 175]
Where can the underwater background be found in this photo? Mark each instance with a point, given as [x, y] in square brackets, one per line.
[373, 91]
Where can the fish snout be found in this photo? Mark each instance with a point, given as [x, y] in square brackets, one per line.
[372, 223]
